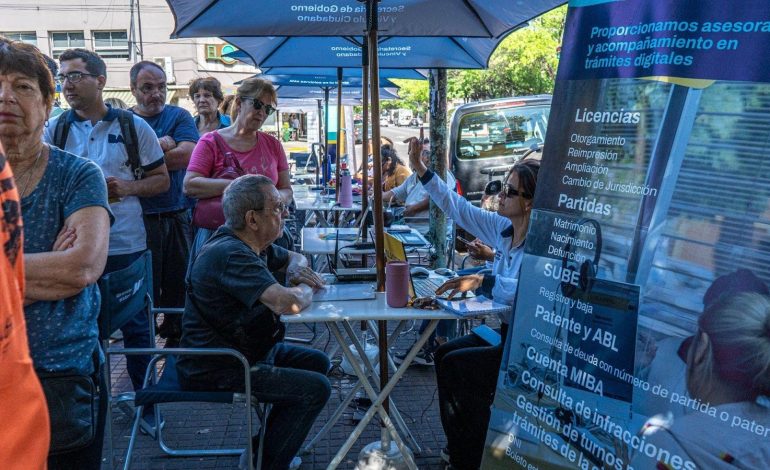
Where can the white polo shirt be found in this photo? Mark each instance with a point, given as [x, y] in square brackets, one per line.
[103, 144]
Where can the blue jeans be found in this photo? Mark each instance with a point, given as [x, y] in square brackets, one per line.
[136, 333]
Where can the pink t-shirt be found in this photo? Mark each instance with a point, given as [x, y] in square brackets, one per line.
[267, 158]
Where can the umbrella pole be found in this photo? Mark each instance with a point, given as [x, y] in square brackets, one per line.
[319, 157]
[374, 87]
[340, 119]
[365, 130]
[326, 134]
[340, 144]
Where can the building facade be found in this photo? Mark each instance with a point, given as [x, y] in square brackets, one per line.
[123, 33]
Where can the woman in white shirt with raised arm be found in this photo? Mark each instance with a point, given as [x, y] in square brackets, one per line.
[467, 367]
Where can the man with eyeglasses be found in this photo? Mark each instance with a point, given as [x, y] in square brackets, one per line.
[234, 301]
[166, 215]
[95, 131]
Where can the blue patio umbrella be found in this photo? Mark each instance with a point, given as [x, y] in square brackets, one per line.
[346, 52]
[319, 81]
[468, 18]
[409, 74]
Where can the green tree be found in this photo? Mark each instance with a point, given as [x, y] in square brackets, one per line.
[414, 96]
[524, 63]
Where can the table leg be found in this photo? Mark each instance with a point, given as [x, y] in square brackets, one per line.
[376, 407]
[321, 219]
[400, 370]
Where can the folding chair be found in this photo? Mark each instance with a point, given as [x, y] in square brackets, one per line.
[126, 292]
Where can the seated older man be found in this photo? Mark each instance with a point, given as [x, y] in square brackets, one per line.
[234, 301]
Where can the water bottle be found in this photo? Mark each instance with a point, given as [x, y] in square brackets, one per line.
[346, 187]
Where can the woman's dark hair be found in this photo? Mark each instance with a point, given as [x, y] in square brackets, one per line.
[226, 105]
[527, 170]
[389, 153]
[26, 59]
[209, 84]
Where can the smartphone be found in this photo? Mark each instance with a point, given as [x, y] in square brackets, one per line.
[422, 134]
[464, 241]
[487, 334]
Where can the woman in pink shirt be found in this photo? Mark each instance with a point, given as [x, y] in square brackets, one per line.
[256, 152]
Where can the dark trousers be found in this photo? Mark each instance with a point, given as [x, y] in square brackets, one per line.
[169, 237]
[90, 457]
[136, 333]
[291, 378]
[466, 373]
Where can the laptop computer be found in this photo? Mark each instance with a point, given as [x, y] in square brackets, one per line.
[351, 274]
[418, 286]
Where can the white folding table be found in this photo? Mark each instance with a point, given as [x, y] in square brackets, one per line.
[338, 316]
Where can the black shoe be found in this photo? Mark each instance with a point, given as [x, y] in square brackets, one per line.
[423, 358]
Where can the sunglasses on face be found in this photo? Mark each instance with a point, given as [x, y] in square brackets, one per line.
[257, 105]
[509, 191]
[73, 77]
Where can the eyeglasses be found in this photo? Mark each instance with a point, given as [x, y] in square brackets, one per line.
[280, 208]
[149, 89]
[509, 191]
[257, 104]
[73, 77]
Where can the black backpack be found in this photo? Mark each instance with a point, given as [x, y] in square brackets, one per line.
[127, 129]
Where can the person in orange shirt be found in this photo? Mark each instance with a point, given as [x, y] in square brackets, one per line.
[394, 172]
[24, 433]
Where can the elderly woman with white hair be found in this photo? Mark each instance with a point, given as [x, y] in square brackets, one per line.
[728, 369]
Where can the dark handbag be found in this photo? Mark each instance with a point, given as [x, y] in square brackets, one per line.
[73, 406]
[208, 212]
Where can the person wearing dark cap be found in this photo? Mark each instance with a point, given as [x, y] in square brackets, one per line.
[728, 378]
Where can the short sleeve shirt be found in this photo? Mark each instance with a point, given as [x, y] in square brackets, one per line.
[222, 308]
[64, 333]
[267, 158]
[102, 143]
[25, 430]
[177, 123]
[224, 120]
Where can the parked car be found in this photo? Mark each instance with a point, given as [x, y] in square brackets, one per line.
[384, 122]
[416, 121]
[488, 137]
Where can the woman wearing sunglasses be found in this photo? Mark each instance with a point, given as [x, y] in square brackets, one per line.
[466, 368]
[241, 147]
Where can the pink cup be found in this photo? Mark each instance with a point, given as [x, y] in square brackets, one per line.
[397, 283]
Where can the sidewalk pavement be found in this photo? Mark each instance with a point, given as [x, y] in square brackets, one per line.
[223, 425]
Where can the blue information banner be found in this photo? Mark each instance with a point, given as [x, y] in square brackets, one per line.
[639, 337]
[713, 39]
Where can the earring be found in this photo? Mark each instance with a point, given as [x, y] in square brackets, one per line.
[46, 123]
